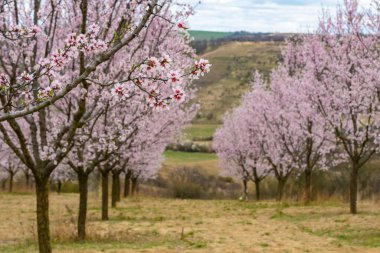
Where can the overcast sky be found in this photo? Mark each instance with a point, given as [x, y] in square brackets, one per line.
[260, 15]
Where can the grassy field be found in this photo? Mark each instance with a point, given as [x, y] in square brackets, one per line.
[167, 225]
[208, 35]
[233, 64]
[206, 162]
[199, 131]
[186, 158]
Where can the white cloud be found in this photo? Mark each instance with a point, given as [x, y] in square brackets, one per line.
[260, 15]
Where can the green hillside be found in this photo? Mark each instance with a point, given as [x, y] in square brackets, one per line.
[233, 64]
[208, 35]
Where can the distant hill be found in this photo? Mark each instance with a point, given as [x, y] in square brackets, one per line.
[249, 36]
[208, 35]
[206, 41]
[233, 64]
[240, 36]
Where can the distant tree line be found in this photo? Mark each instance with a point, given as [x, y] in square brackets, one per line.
[201, 46]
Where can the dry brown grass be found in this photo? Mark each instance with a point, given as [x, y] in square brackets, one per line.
[167, 225]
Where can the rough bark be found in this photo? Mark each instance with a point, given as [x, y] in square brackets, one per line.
[59, 186]
[127, 184]
[280, 189]
[257, 187]
[354, 188]
[245, 190]
[3, 184]
[118, 191]
[82, 215]
[256, 179]
[308, 189]
[42, 192]
[27, 180]
[134, 186]
[115, 188]
[11, 176]
[105, 195]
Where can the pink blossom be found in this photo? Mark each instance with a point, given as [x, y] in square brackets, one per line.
[183, 25]
[35, 29]
[151, 64]
[120, 90]
[179, 94]
[174, 77]
[26, 77]
[165, 61]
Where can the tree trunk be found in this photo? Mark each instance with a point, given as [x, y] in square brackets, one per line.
[245, 190]
[354, 189]
[280, 189]
[104, 195]
[257, 186]
[118, 191]
[82, 215]
[11, 176]
[27, 180]
[42, 192]
[115, 188]
[3, 184]
[134, 186]
[127, 183]
[307, 186]
[59, 186]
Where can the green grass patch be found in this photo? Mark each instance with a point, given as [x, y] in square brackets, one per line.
[27, 246]
[208, 35]
[138, 242]
[359, 237]
[264, 245]
[300, 217]
[17, 193]
[183, 158]
[136, 219]
[254, 206]
[200, 131]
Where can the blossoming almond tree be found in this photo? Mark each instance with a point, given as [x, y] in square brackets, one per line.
[239, 143]
[61, 175]
[141, 142]
[282, 131]
[37, 43]
[68, 54]
[49, 142]
[239, 151]
[340, 73]
[267, 121]
[10, 166]
[143, 157]
[305, 135]
[126, 103]
[326, 92]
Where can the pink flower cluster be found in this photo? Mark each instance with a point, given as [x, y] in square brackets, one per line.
[162, 84]
[25, 31]
[75, 43]
[201, 67]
